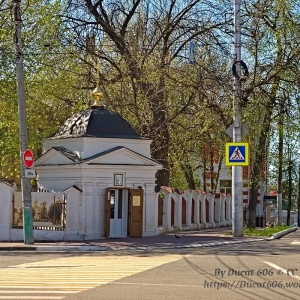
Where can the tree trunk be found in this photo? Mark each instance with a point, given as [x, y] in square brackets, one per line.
[159, 131]
[251, 213]
[204, 169]
[298, 198]
[219, 170]
[280, 164]
[259, 160]
[189, 175]
[211, 167]
[289, 206]
[260, 155]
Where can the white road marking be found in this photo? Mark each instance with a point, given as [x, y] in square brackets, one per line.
[49, 287]
[295, 242]
[68, 275]
[35, 292]
[283, 270]
[158, 284]
[32, 297]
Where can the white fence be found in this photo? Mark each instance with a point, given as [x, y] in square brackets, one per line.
[192, 210]
[55, 220]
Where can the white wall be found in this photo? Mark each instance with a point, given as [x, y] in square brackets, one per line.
[6, 212]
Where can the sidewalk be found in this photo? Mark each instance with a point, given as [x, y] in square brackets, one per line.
[184, 239]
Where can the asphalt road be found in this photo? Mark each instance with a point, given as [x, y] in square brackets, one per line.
[260, 270]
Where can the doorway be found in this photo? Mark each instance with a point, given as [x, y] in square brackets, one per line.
[136, 213]
[124, 213]
[116, 213]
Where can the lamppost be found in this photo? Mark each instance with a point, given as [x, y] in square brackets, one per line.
[23, 134]
[237, 171]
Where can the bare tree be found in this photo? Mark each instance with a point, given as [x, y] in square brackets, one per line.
[138, 42]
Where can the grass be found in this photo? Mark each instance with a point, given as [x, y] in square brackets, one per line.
[265, 232]
[268, 231]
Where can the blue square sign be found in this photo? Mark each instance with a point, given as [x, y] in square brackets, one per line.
[237, 154]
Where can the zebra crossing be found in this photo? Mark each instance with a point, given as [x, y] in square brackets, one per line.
[56, 278]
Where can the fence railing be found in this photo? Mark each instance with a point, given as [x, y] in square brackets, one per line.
[48, 211]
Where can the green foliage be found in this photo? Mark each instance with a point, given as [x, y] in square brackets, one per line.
[261, 232]
[53, 93]
[267, 232]
[146, 77]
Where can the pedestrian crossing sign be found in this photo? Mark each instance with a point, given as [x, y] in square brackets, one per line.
[237, 154]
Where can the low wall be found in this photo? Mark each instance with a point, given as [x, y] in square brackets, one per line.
[186, 210]
[192, 210]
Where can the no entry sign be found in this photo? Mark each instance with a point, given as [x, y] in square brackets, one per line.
[28, 158]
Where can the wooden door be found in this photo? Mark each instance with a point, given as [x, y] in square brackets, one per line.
[136, 213]
[107, 212]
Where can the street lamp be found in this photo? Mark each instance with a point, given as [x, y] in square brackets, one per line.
[23, 134]
[237, 171]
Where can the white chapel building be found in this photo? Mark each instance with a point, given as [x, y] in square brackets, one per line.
[106, 172]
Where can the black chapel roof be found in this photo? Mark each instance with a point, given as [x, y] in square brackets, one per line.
[96, 122]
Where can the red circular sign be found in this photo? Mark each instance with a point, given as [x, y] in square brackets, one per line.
[28, 158]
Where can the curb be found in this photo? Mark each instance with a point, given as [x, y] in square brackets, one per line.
[141, 248]
[18, 248]
[73, 248]
[86, 248]
[280, 234]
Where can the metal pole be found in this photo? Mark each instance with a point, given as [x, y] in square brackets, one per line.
[237, 171]
[23, 135]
